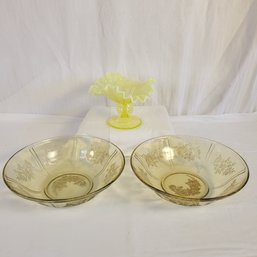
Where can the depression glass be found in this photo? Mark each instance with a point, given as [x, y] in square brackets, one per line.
[63, 171]
[124, 92]
[189, 170]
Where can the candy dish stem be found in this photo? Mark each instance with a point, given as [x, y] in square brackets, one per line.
[124, 119]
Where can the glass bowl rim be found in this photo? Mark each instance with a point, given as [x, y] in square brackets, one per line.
[206, 199]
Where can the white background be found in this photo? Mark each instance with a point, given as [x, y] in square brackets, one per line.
[128, 219]
[201, 52]
[203, 55]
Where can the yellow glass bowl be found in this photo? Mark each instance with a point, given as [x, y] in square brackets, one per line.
[63, 171]
[189, 170]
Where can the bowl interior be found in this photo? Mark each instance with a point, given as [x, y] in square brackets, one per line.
[63, 168]
[189, 167]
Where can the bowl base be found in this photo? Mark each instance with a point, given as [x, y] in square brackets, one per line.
[185, 185]
[68, 186]
[67, 204]
[124, 123]
[183, 201]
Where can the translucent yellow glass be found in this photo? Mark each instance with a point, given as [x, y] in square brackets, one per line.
[189, 170]
[64, 171]
[124, 93]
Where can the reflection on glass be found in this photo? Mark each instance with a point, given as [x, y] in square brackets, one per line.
[168, 153]
[52, 155]
[83, 153]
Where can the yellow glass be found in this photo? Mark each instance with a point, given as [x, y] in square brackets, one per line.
[64, 171]
[124, 93]
[189, 170]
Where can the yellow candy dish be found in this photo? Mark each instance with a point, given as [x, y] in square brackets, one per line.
[189, 170]
[124, 93]
[63, 171]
